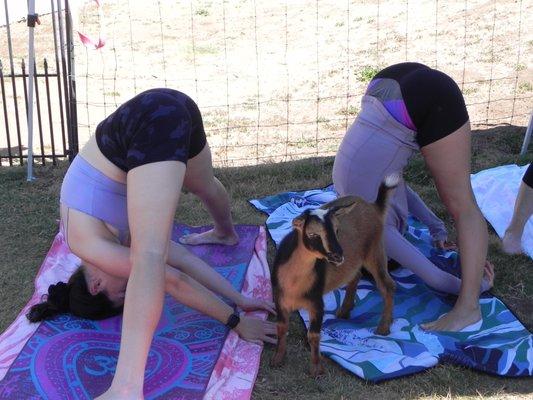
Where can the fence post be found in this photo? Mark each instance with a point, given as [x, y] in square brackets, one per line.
[527, 136]
[49, 103]
[2, 86]
[71, 83]
[10, 49]
[31, 20]
[39, 118]
[56, 56]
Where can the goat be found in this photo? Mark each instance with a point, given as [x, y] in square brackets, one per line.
[325, 250]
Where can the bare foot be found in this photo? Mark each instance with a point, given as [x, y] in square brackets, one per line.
[511, 243]
[454, 321]
[209, 237]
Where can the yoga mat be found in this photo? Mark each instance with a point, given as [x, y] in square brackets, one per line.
[192, 356]
[496, 190]
[499, 344]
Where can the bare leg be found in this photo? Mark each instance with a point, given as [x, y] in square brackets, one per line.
[199, 179]
[150, 219]
[523, 208]
[448, 159]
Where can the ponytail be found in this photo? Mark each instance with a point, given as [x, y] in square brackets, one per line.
[73, 297]
[56, 302]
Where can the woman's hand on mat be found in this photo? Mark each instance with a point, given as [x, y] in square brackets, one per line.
[250, 304]
[256, 330]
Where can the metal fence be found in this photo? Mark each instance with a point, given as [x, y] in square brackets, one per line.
[283, 79]
[55, 107]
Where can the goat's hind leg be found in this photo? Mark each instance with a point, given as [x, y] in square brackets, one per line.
[377, 266]
[349, 297]
[282, 328]
[316, 314]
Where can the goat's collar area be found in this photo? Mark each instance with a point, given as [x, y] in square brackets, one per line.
[320, 213]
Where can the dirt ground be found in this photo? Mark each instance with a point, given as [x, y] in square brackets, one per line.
[282, 80]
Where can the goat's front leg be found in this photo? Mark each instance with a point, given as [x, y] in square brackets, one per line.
[316, 314]
[349, 297]
[282, 327]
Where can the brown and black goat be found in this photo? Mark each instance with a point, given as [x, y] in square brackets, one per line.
[325, 250]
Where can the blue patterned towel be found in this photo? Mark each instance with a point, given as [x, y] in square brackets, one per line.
[499, 344]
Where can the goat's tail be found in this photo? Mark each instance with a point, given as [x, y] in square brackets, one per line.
[385, 190]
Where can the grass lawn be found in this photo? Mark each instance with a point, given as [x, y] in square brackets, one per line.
[29, 212]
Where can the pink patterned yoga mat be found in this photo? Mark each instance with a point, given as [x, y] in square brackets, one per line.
[192, 356]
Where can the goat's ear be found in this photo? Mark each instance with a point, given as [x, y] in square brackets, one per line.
[299, 221]
[339, 203]
[344, 209]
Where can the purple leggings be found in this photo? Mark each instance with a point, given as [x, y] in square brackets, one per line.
[377, 145]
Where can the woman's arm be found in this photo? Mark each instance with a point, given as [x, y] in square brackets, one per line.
[113, 258]
[195, 267]
[420, 210]
[399, 249]
[191, 293]
[116, 262]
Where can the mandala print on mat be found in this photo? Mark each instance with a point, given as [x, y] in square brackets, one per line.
[68, 357]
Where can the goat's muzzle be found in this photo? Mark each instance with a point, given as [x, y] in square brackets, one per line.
[335, 259]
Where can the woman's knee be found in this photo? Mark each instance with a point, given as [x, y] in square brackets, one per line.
[459, 202]
[206, 188]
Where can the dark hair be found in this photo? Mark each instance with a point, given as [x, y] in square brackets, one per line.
[73, 297]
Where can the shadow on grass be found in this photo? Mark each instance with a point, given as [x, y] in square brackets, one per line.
[28, 214]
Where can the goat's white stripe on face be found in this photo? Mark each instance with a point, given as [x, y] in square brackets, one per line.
[319, 212]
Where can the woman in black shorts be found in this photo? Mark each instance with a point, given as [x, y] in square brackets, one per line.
[407, 108]
[118, 202]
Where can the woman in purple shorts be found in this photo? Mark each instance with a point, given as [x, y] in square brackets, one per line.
[118, 201]
[410, 107]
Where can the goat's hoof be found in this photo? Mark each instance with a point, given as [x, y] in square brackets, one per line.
[383, 330]
[316, 370]
[277, 360]
[342, 314]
